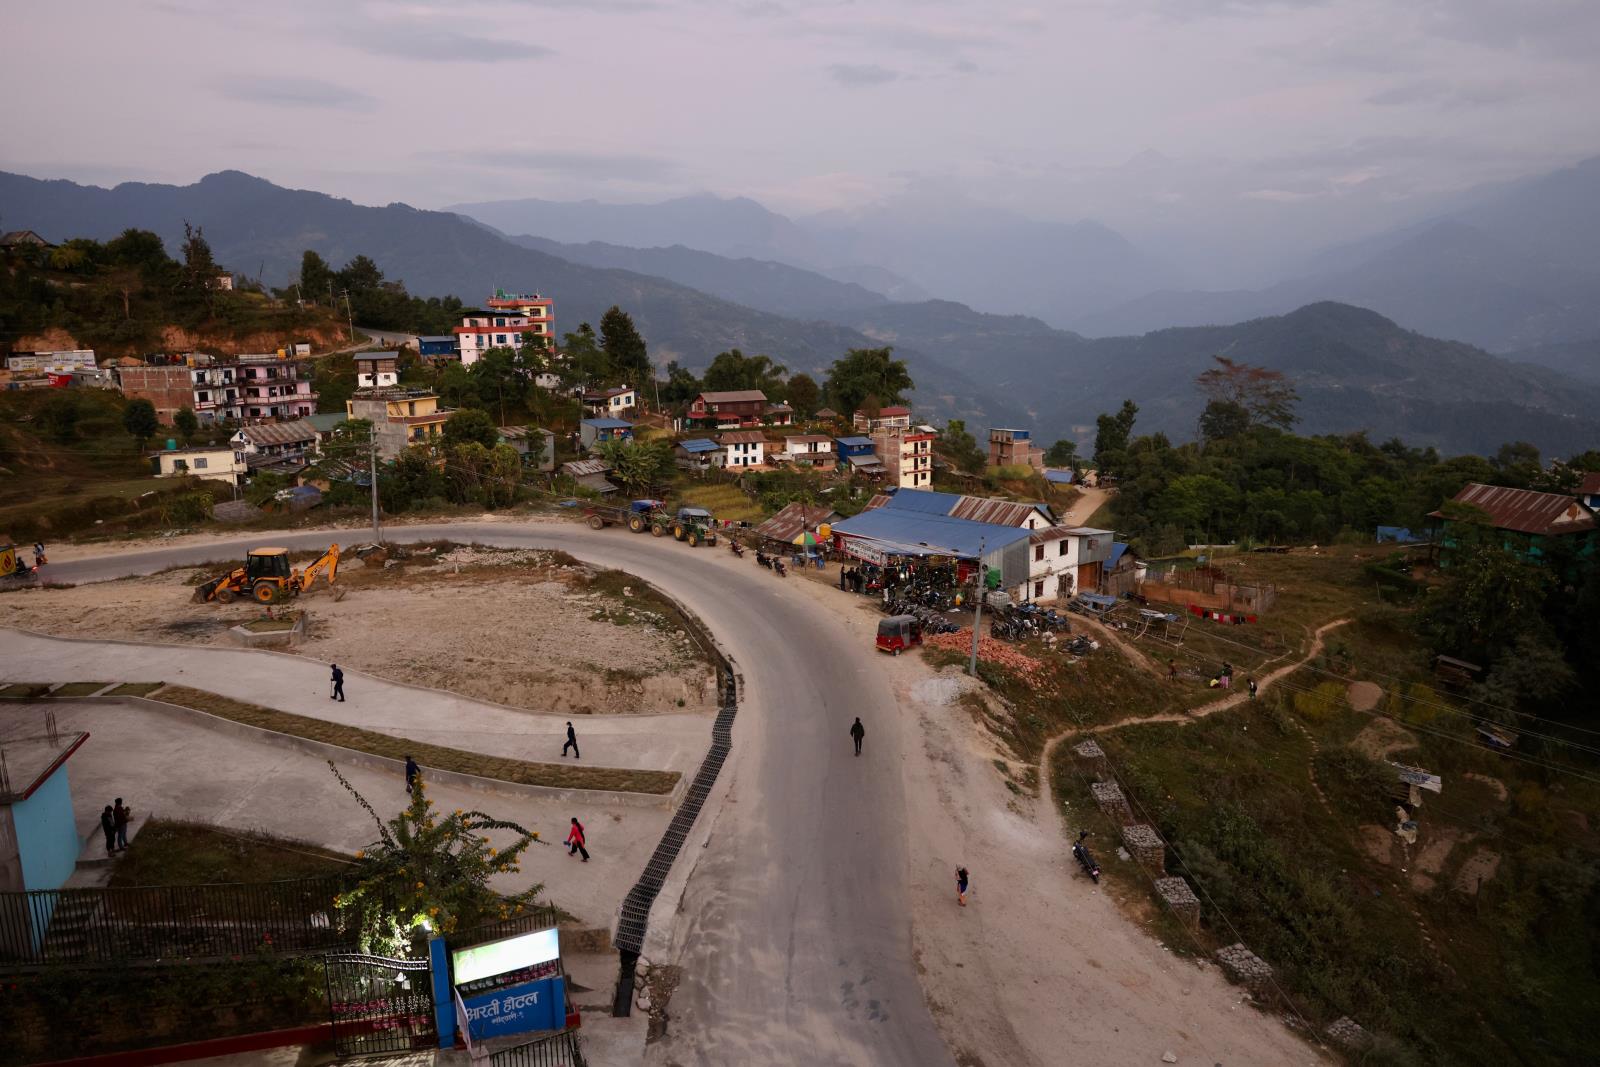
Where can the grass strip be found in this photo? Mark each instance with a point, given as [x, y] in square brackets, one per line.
[79, 689]
[522, 772]
[135, 689]
[25, 690]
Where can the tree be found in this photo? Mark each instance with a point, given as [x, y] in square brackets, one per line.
[316, 277]
[1112, 434]
[638, 464]
[430, 871]
[139, 419]
[804, 394]
[1223, 419]
[1267, 395]
[1064, 453]
[681, 385]
[1490, 598]
[1518, 465]
[361, 275]
[624, 347]
[865, 372]
[58, 415]
[139, 249]
[470, 424]
[584, 361]
[499, 377]
[733, 370]
[186, 423]
[264, 485]
[961, 448]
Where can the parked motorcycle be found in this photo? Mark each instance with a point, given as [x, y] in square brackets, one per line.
[777, 565]
[763, 559]
[736, 548]
[1081, 853]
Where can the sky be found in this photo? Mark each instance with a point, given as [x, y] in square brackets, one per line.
[1173, 116]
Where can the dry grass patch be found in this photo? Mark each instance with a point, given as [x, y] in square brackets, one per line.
[135, 689]
[522, 772]
[78, 689]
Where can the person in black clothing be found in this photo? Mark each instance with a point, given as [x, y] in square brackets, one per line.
[572, 743]
[412, 770]
[338, 684]
[108, 826]
[857, 732]
[844, 576]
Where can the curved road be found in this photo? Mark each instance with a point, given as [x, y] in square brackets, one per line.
[798, 933]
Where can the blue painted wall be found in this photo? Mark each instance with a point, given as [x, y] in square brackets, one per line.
[47, 837]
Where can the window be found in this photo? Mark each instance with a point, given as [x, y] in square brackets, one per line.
[1063, 550]
[1038, 552]
[199, 463]
[499, 338]
[1038, 589]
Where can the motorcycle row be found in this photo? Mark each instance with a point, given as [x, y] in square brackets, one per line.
[932, 621]
[774, 564]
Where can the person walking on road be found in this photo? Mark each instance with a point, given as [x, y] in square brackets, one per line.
[575, 840]
[108, 826]
[1172, 670]
[119, 818]
[961, 886]
[572, 743]
[412, 771]
[1250, 684]
[857, 732]
[338, 684]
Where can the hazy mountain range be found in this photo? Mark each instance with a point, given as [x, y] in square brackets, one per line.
[1355, 369]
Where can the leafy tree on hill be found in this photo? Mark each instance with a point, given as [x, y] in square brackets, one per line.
[804, 395]
[638, 465]
[624, 347]
[186, 423]
[1112, 433]
[58, 416]
[584, 361]
[316, 279]
[470, 424]
[961, 448]
[1266, 396]
[1063, 453]
[139, 419]
[733, 370]
[680, 387]
[865, 372]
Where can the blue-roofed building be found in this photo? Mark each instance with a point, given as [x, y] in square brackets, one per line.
[1058, 476]
[857, 455]
[881, 534]
[1398, 535]
[440, 347]
[592, 432]
[699, 454]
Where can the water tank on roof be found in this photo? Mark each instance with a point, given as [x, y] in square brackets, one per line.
[172, 445]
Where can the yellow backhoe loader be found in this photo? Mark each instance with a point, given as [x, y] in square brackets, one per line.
[267, 578]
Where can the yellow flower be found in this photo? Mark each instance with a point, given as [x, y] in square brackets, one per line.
[419, 885]
[361, 853]
[433, 911]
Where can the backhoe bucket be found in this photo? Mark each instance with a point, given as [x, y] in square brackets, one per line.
[202, 593]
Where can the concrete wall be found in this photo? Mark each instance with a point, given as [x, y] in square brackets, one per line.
[47, 837]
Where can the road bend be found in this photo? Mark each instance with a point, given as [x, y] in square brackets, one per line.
[797, 943]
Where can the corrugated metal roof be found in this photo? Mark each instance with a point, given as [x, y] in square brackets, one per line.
[1118, 550]
[787, 524]
[1525, 511]
[936, 534]
[742, 437]
[734, 396]
[608, 424]
[896, 410]
[1001, 512]
[280, 433]
[808, 437]
[699, 444]
[866, 462]
[580, 468]
[855, 442]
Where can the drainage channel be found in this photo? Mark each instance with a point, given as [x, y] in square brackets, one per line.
[634, 920]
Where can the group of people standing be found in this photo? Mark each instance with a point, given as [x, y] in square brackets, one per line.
[114, 824]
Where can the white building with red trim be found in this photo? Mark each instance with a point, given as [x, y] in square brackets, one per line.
[509, 317]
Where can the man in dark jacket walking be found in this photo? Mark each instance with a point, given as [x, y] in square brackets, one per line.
[572, 743]
[857, 732]
[119, 818]
[338, 684]
[108, 826]
[412, 770]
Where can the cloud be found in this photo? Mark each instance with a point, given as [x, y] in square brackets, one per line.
[429, 39]
[589, 165]
[1446, 95]
[292, 92]
[860, 75]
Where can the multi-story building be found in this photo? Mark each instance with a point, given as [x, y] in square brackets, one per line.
[216, 391]
[811, 450]
[169, 388]
[743, 448]
[377, 370]
[907, 455]
[895, 417]
[1065, 561]
[510, 318]
[1014, 448]
[618, 403]
[400, 417]
[729, 409]
[270, 387]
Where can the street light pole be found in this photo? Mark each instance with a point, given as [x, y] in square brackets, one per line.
[372, 444]
[977, 613]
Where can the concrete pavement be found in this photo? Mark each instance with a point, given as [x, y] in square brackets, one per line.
[795, 929]
[296, 684]
[166, 768]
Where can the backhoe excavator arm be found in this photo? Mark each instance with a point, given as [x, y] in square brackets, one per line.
[328, 561]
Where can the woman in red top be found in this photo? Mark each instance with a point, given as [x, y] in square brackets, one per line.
[575, 841]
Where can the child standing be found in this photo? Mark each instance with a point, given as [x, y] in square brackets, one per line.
[961, 886]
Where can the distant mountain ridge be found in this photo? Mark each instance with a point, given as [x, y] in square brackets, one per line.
[1515, 270]
[1355, 369]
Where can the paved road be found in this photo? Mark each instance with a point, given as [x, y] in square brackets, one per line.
[798, 916]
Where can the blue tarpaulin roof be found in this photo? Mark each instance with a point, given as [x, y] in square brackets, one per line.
[1117, 549]
[1394, 533]
[1059, 477]
[699, 444]
[918, 533]
[923, 501]
[608, 424]
[855, 442]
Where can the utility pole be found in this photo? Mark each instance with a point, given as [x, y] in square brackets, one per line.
[372, 444]
[349, 316]
[977, 613]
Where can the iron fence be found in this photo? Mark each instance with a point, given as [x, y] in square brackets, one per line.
[379, 1005]
[557, 1050]
[196, 922]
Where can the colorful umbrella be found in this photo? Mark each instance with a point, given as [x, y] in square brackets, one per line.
[806, 539]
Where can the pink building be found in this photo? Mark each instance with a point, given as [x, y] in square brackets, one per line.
[270, 387]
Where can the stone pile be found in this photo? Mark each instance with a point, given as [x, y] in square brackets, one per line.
[1177, 895]
[1108, 795]
[1146, 846]
[1244, 966]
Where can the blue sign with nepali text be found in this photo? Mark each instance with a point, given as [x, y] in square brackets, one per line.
[537, 1005]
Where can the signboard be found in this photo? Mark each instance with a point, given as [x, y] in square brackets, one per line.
[539, 1005]
[864, 551]
[501, 962]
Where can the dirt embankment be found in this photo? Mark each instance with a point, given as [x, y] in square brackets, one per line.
[526, 629]
[322, 337]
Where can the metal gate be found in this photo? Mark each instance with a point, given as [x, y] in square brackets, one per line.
[379, 1005]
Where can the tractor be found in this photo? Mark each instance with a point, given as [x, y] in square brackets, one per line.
[267, 578]
[694, 525]
[13, 564]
